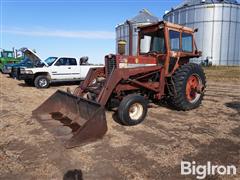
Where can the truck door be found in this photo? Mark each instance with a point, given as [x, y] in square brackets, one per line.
[64, 68]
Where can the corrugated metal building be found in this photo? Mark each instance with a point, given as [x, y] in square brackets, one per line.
[128, 31]
[218, 23]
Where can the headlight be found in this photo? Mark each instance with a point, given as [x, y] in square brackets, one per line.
[23, 71]
[29, 72]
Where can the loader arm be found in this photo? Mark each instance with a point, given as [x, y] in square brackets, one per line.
[92, 74]
[122, 74]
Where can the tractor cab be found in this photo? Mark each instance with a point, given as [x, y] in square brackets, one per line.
[8, 57]
[161, 44]
[171, 44]
[7, 54]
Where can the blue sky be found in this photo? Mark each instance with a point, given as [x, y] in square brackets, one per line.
[70, 28]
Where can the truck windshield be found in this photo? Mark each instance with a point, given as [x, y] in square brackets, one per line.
[50, 60]
[152, 42]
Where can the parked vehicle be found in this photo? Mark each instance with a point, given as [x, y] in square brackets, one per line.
[160, 71]
[53, 69]
[8, 57]
[10, 68]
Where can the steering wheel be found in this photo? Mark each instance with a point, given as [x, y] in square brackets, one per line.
[153, 53]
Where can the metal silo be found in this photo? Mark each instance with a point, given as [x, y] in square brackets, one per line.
[218, 23]
[128, 30]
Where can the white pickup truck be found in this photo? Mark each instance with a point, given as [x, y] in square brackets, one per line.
[54, 69]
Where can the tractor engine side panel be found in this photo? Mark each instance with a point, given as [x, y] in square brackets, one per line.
[123, 62]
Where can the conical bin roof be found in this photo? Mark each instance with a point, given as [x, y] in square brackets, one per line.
[144, 16]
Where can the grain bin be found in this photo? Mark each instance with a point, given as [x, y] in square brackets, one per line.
[128, 31]
[218, 23]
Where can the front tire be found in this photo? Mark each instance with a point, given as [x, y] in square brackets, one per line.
[189, 84]
[132, 110]
[41, 82]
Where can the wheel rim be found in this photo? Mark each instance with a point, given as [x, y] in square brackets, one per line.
[193, 83]
[42, 82]
[135, 111]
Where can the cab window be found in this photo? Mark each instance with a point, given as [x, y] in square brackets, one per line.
[152, 42]
[187, 45]
[158, 44]
[62, 62]
[174, 37]
[72, 62]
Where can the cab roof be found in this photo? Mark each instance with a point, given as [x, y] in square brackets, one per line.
[167, 24]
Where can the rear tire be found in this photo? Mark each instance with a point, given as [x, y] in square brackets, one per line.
[186, 79]
[132, 110]
[41, 82]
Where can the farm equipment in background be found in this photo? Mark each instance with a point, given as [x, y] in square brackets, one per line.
[161, 70]
[9, 57]
[11, 69]
[27, 61]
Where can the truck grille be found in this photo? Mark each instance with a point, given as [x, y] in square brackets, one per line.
[14, 72]
[111, 64]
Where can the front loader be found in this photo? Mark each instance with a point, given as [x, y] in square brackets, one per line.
[161, 70]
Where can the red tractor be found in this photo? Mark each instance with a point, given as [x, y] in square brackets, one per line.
[161, 70]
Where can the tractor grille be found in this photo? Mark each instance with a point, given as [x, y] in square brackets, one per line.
[111, 64]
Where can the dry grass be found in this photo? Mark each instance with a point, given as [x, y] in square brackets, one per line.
[223, 73]
[152, 150]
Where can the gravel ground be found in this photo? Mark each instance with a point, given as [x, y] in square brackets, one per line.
[151, 150]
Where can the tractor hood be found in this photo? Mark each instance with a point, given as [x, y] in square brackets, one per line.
[32, 56]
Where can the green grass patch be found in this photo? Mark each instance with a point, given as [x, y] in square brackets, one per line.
[223, 73]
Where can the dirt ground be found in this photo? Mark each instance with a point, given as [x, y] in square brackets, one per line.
[152, 150]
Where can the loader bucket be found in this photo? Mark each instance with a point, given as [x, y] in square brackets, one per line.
[72, 119]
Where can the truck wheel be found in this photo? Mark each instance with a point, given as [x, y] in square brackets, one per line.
[189, 82]
[29, 82]
[41, 82]
[132, 110]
